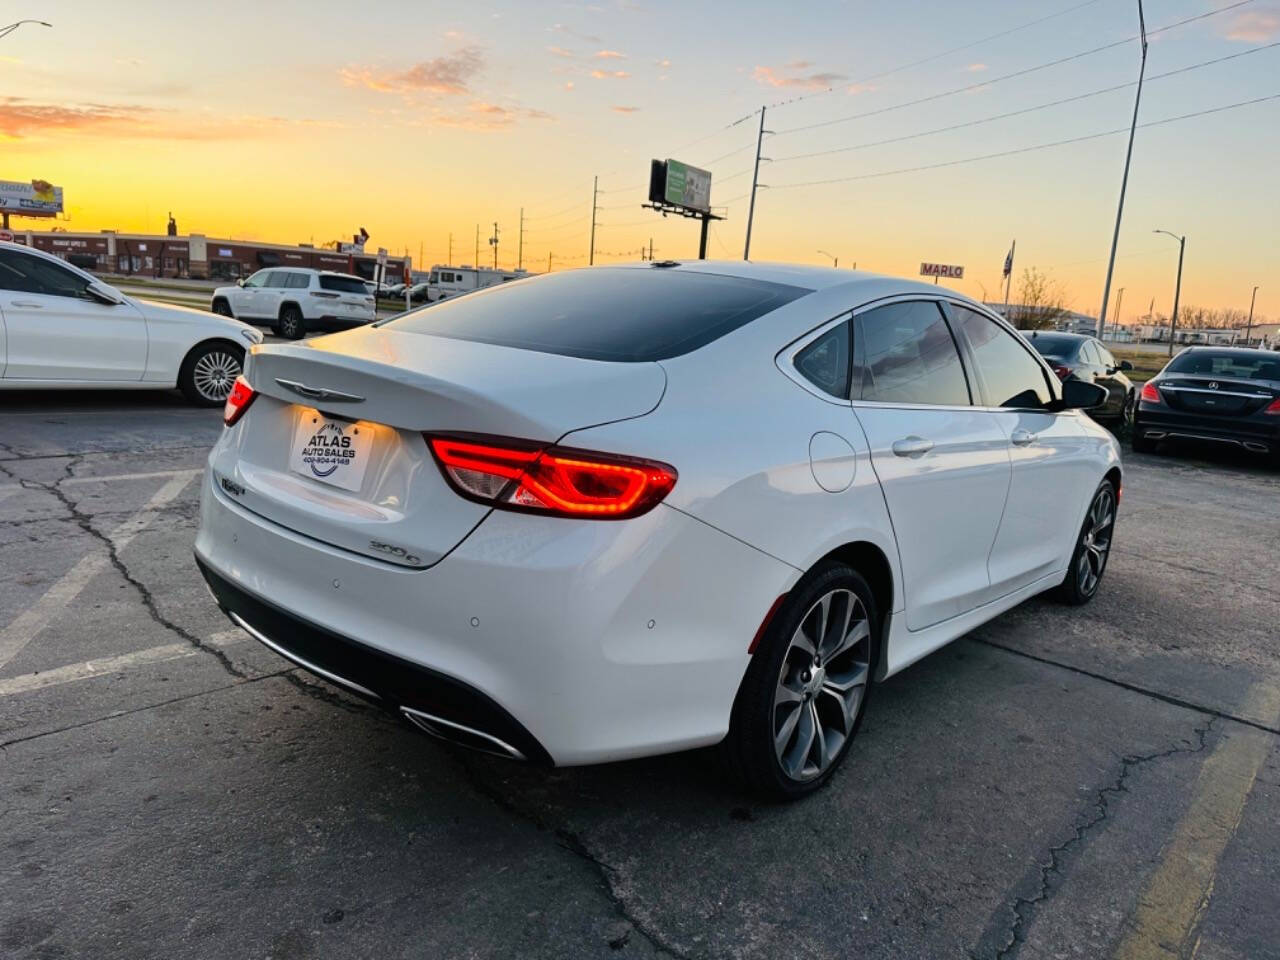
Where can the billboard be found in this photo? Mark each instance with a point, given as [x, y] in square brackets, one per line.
[677, 184]
[38, 198]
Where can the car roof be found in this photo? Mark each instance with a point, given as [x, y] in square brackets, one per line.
[1242, 351]
[812, 278]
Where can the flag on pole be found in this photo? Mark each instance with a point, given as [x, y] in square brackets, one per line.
[1008, 262]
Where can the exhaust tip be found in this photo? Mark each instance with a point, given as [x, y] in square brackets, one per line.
[460, 734]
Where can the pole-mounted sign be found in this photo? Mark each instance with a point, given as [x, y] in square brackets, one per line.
[935, 270]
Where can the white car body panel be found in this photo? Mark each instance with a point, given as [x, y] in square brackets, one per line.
[68, 343]
[615, 639]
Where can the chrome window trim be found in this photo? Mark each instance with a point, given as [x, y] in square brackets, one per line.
[785, 359]
[1215, 393]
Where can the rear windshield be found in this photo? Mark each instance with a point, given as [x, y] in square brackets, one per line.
[343, 284]
[1241, 366]
[602, 314]
[1050, 345]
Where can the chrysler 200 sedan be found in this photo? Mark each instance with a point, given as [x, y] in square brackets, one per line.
[628, 510]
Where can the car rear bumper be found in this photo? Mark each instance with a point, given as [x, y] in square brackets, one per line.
[1253, 433]
[569, 641]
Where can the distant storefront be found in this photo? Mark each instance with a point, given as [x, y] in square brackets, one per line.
[198, 257]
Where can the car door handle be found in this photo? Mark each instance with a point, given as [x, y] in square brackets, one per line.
[912, 446]
[1022, 437]
[30, 304]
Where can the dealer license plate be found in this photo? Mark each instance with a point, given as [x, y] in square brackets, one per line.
[331, 451]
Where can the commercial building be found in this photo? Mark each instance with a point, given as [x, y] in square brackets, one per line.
[198, 257]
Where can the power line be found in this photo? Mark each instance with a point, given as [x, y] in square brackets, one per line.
[1024, 110]
[1008, 76]
[558, 213]
[1030, 149]
[945, 53]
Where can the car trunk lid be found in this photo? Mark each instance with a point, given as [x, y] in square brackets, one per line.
[333, 447]
[1214, 396]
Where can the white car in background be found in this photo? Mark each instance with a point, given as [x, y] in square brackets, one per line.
[627, 510]
[293, 300]
[61, 327]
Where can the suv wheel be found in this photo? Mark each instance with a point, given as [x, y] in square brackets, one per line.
[291, 325]
[804, 694]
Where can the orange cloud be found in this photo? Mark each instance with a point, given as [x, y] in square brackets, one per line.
[975, 68]
[609, 55]
[1255, 26]
[625, 109]
[602, 74]
[448, 75]
[22, 119]
[771, 77]
[561, 52]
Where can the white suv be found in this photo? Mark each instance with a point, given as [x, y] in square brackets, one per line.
[293, 300]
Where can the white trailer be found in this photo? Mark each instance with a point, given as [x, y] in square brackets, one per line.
[446, 281]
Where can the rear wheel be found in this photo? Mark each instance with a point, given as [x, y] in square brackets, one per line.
[1093, 547]
[291, 325]
[804, 694]
[209, 371]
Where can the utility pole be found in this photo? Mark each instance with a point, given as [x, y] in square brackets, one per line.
[520, 243]
[1255, 290]
[450, 260]
[548, 261]
[595, 190]
[1249, 330]
[476, 262]
[1124, 181]
[755, 182]
[1115, 321]
[1177, 290]
[493, 242]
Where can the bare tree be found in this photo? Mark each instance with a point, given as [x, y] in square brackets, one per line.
[1041, 301]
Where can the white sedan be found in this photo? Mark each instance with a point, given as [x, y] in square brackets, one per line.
[63, 328]
[627, 510]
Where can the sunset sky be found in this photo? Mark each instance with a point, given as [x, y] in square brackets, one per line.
[294, 122]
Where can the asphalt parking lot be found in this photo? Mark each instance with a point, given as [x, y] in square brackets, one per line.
[1095, 782]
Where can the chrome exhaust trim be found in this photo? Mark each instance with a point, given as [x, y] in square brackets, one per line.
[262, 638]
[458, 733]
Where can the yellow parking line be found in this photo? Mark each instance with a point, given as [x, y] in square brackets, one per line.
[1165, 923]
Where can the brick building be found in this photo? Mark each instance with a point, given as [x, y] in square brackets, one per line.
[196, 256]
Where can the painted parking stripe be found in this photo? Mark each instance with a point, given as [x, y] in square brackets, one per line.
[38, 616]
[9, 489]
[1164, 925]
[126, 661]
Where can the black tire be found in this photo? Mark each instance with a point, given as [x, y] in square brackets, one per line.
[291, 324]
[222, 308]
[1093, 547]
[1130, 406]
[208, 372]
[749, 752]
[1139, 443]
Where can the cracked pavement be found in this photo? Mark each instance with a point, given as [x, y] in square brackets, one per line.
[1012, 795]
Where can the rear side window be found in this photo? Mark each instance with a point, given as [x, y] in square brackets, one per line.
[298, 281]
[629, 315]
[343, 284]
[1011, 376]
[905, 354]
[825, 362]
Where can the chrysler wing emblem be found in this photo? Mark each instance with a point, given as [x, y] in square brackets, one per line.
[1213, 384]
[318, 393]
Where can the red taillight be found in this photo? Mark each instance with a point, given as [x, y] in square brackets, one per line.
[1150, 394]
[517, 475]
[238, 401]
[1061, 371]
[1274, 407]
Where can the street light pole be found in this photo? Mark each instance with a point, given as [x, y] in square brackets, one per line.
[1124, 180]
[1249, 330]
[9, 28]
[835, 261]
[1177, 290]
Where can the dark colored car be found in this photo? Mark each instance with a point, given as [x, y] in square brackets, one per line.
[1075, 356]
[1225, 394]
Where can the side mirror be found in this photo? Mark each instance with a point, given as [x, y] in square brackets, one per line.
[1082, 395]
[104, 294]
[1125, 365]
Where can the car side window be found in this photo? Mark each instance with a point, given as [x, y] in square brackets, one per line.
[259, 279]
[1010, 375]
[1089, 353]
[825, 361]
[23, 273]
[276, 278]
[1108, 360]
[904, 353]
[298, 281]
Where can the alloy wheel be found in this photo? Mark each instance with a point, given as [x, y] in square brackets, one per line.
[215, 373]
[1096, 541]
[821, 685]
